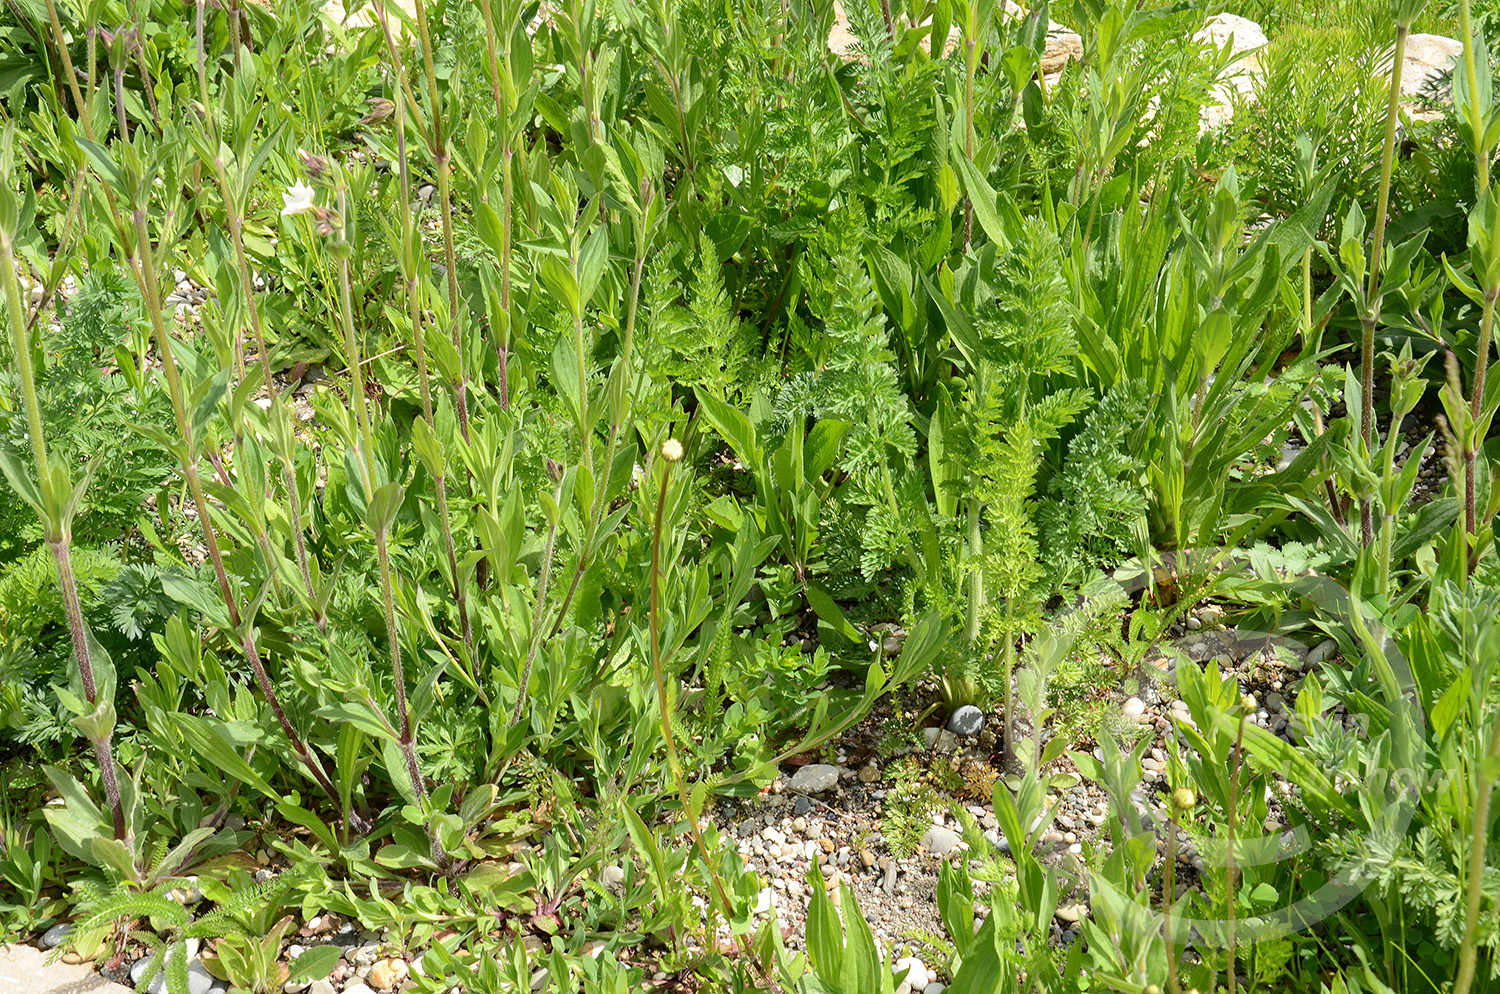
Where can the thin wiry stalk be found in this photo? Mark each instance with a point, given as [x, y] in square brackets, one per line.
[1479, 836]
[671, 453]
[1372, 300]
[505, 100]
[439, 152]
[57, 529]
[143, 268]
[414, 306]
[235, 223]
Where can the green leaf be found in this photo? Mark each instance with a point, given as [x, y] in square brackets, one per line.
[204, 739]
[829, 612]
[315, 964]
[983, 197]
[1264, 893]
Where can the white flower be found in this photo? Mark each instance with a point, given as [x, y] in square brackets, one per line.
[298, 199]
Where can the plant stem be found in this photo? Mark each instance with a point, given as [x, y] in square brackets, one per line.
[1479, 834]
[235, 224]
[1230, 869]
[57, 526]
[1481, 158]
[1476, 404]
[414, 306]
[673, 763]
[1371, 313]
[439, 150]
[1167, 898]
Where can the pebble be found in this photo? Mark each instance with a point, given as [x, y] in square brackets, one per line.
[967, 720]
[814, 778]
[1070, 913]
[1320, 652]
[934, 988]
[323, 986]
[946, 741]
[54, 936]
[357, 987]
[931, 735]
[614, 876]
[869, 773]
[1135, 707]
[801, 806]
[199, 980]
[388, 973]
[940, 841]
[1193, 624]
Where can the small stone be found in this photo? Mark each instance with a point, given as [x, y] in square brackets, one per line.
[934, 988]
[940, 841]
[1320, 653]
[1071, 913]
[869, 773]
[814, 778]
[388, 973]
[801, 806]
[916, 970]
[967, 720]
[867, 858]
[931, 735]
[199, 980]
[1135, 707]
[54, 936]
[947, 741]
[614, 876]
[323, 986]
[1193, 624]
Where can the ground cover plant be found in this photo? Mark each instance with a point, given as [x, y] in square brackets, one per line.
[511, 496]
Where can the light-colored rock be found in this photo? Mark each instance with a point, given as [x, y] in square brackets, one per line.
[1071, 913]
[322, 986]
[947, 741]
[25, 970]
[1238, 82]
[1134, 708]
[814, 778]
[358, 987]
[940, 841]
[1427, 59]
[934, 988]
[869, 773]
[916, 970]
[931, 735]
[387, 973]
[967, 720]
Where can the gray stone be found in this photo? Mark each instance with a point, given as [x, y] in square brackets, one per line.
[815, 778]
[931, 735]
[967, 720]
[801, 806]
[1319, 653]
[947, 741]
[54, 936]
[324, 986]
[199, 980]
[25, 970]
[940, 841]
[934, 988]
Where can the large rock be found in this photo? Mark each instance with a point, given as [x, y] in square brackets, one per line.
[1245, 40]
[1428, 58]
[1062, 44]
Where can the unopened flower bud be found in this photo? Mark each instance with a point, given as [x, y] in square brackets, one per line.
[671, 450]
[554, 470]
[1183, 798]
[316, 165]
[380, 109]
